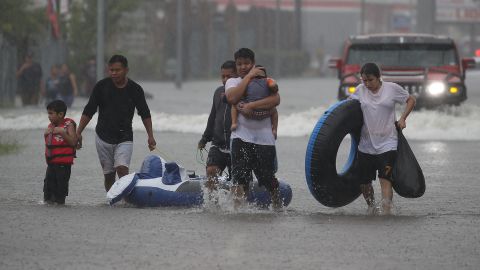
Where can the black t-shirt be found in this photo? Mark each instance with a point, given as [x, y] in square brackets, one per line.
[116, 107]
[30, 77]
[219, 121]
[65, 86]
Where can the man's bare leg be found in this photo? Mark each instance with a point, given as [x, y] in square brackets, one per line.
[277, 203]
[121, 171]
[109, 180]
[212, 178]
[368, 194]
[238, 193]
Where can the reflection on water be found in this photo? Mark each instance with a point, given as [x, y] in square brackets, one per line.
[435, 147]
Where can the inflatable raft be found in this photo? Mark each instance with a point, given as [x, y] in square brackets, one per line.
[161, 183]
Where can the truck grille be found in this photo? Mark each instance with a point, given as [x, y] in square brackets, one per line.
[413, 88]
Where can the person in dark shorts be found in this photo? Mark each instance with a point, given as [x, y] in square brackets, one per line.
[60, 142]
[378, 138]
[116, 99]
[252, 142]
[218, 130]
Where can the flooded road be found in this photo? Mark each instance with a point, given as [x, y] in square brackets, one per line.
[440, 230]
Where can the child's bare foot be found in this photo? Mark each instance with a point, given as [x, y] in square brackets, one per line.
[233, 127]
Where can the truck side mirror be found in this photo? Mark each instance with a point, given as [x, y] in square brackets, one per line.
[468, 63]
[335, 63]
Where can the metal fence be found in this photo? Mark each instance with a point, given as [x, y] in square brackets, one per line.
[8, 64]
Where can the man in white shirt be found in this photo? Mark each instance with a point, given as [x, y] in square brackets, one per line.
[252, 142]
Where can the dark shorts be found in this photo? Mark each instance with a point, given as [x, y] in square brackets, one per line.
[55, 184]
[248, 157]
[219, 159]
[370, 164]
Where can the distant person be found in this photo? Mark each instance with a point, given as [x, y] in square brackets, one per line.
[116, 99]
[60, 141]
[89, 76]
[67, 85]
[255, 92]
[29, 77]
[378, 138]
[252, 142]
[218, 130]
[52, 85]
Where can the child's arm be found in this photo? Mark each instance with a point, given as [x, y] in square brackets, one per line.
[68, 135]
[47, 131]
[274, 118]
[234, 113]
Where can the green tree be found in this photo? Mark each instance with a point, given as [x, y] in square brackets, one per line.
[81, 27]
[22, 23]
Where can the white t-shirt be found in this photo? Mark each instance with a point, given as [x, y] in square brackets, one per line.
[250, 130]
[379, 134]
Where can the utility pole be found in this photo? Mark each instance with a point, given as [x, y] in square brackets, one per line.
[100, 38]
[298, 25]
[277, 41]
[426, 10]
[179, 65]
[362, 17]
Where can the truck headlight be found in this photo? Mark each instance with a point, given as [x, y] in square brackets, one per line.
[349, 90]
[436, 88]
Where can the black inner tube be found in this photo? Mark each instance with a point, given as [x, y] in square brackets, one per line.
[328, 186]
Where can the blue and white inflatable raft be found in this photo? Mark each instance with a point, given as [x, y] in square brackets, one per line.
[161, 183]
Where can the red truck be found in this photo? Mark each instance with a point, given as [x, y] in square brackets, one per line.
[427, 66]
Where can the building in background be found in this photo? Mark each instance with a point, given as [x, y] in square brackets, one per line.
[297, 37]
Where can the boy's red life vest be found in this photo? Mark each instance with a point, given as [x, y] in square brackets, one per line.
[57, 150]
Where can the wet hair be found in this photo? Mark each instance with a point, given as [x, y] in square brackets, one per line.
[57, 106]
[230, 64]
[370, 69]
[118, 59]
[245, 53]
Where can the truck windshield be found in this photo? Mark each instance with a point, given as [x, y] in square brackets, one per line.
[403, 55]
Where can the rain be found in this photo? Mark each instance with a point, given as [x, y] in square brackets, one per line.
[314, 50]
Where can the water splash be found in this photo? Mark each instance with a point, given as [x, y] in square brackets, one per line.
[447, 123]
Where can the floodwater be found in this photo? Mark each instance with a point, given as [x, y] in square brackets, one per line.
[440, 230]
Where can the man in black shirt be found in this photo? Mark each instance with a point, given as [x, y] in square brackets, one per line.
[116, 98]
[218, 129]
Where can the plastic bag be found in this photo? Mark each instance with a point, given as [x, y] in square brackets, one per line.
[408, 179]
